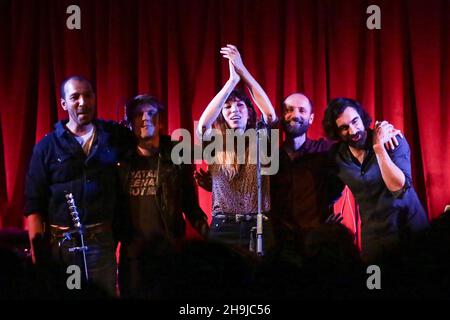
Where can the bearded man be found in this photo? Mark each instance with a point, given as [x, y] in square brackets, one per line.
[305, 188]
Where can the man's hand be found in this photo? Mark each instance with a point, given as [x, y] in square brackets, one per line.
[36, 229]
[203, 179]
[385, 134]
[231, 53]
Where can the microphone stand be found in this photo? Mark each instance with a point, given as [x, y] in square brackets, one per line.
[259, 216]
[78, 229]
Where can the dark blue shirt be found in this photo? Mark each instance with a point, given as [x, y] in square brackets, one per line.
[385, 215]
[58, 164]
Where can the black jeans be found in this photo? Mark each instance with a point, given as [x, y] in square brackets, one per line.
[100, 258]
[241, 233]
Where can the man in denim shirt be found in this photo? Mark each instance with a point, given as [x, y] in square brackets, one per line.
[380, 179]
[80, 156]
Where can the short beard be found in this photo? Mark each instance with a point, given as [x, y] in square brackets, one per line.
[295, 131]
[361, 143]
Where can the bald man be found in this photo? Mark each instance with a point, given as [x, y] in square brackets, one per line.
[80, 156]
[304, 189]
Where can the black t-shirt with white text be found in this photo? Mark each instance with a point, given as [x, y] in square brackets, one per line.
[141, 188]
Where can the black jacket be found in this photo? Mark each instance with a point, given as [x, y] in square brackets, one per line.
[175, 195]
[58, 164]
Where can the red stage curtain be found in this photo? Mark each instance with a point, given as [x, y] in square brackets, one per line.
[171, 50]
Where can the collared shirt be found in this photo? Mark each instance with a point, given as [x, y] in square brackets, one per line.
[384, 214]
[59, 165]
[305, 188]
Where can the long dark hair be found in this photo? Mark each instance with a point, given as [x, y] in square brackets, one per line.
[237, 94]
[231, 170]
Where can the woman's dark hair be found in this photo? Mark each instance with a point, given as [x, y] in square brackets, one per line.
[231, 170]
[335, 108]
[236, 94]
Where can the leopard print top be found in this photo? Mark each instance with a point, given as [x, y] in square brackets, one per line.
[240, 195]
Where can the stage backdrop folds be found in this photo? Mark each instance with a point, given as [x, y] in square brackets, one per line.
[170, 48]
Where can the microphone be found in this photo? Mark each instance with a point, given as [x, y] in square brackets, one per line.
[261, 124]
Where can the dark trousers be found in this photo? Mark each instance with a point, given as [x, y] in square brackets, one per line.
[100, 258]
[240, 234]
[143, 273]
[130, 278]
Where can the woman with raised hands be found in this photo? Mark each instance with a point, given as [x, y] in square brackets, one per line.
[233, 174]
